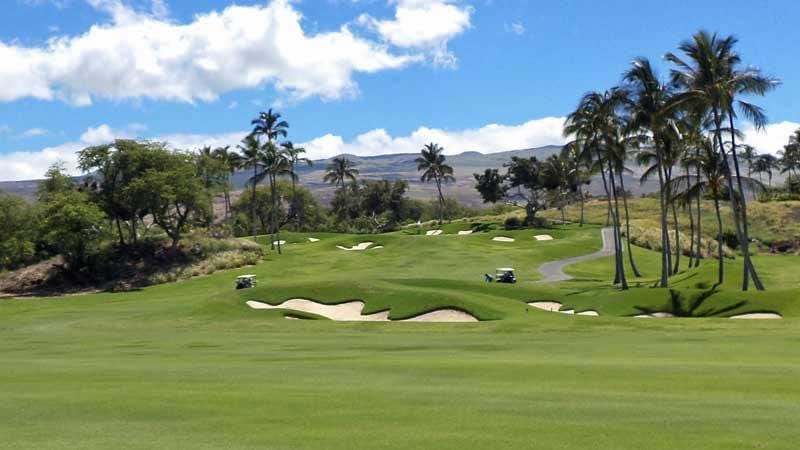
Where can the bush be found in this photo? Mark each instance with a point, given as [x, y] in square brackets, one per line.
[512, 223]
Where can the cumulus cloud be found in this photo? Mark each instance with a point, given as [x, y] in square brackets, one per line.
[33, 132]
[487, 139]
[139, 53]
[772, 138]
[426, 25]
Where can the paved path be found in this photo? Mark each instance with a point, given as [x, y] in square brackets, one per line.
[554, 271]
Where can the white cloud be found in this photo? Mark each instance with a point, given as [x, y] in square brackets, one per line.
[515, 27]
[426, 25]
[772, 138]
[142, 54]
[33, 132]
[487, 139]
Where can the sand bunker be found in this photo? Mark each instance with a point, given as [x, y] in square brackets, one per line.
[556, 307]
[360, 247]
[434, 233]
[279, 243]
[313, 240]
[758, 316]
[376, 248]
[546, 306]
[543, 237]
[655, 315]
[352, 312]
[503, 239]
[465, 233]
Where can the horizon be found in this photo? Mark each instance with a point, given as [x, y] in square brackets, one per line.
[352, 78]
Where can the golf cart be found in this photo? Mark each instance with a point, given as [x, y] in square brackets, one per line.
[246, 282]
[506, 275]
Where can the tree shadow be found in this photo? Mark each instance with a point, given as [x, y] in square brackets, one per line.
[681, 306]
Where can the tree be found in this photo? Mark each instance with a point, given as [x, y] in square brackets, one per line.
[18, 225]
[55, 181]
[579, 172]
[251, 158]
[653, 109]
[712, 76]
[339, 171]
[232, 162]
[766, 164]
[173, 193]
[275, 163]
[382, 202]
[790, 155]
[270, 125]
[213, 173]
[433, 167]
[556, 174]
[73, 226]
[491, 185]
[294, 157]
[523, 181]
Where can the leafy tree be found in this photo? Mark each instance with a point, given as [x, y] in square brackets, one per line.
[73, 226]
[18, 224]
[491, 185]
[433, 167]
[213, 173]
[55, 181]
[556, 174]
[523, 181]
[172, 193]
[382, 202]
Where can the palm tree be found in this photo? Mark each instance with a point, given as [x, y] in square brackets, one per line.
[252, 153]
[766, 164]
[579, 171]
[592, 124]
[339, 171]
[270, 125]
[232, 161]
[712, 182]
[293, 154]
[276, 163]
[557, 178]
[653, 109]
[432, 163]
[713, 77]
[749, 156]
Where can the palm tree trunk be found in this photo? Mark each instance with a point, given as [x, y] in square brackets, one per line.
[691, 227]
[628, 226]
[744, 237]
[276, 229]
[608, 218]
[720, 254]
[677, 240]
[441, 201]
[583, 200]
[617, 233]
[253, 202]
[665, 263]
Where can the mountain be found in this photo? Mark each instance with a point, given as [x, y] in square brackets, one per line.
[401, 167]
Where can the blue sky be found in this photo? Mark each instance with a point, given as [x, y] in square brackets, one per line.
[356, 76]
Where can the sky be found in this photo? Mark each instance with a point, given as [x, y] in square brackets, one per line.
[363, 77]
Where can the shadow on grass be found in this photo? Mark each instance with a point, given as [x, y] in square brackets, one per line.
[681, 306]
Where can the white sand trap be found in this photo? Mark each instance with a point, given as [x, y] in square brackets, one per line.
[434, 233]
[655, 315]
[543, 237]
[567, 311]
[279, 243]
[351, 312]
[443, 315]
[376, 248]
[313, 240]
[591, 313]
[360, 247]
[546, 306]
[758, 316]
[465, 233]
[503, 239]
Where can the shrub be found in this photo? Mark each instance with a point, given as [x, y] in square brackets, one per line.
[512, 223]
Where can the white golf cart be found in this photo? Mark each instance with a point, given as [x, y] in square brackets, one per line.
[246, 282]
[505, 275]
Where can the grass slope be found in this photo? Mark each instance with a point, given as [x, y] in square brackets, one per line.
[188, 365]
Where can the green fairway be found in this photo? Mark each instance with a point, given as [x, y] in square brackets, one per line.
[189, 365]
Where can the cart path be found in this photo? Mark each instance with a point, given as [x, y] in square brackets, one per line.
[554, 271]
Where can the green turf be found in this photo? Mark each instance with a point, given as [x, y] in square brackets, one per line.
[188, 365]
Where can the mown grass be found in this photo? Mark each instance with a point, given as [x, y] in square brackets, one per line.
[188, 365]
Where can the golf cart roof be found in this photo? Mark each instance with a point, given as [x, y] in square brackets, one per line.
[245, 276]
[505, 269]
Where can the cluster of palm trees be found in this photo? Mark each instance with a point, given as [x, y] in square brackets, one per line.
[684, 130]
